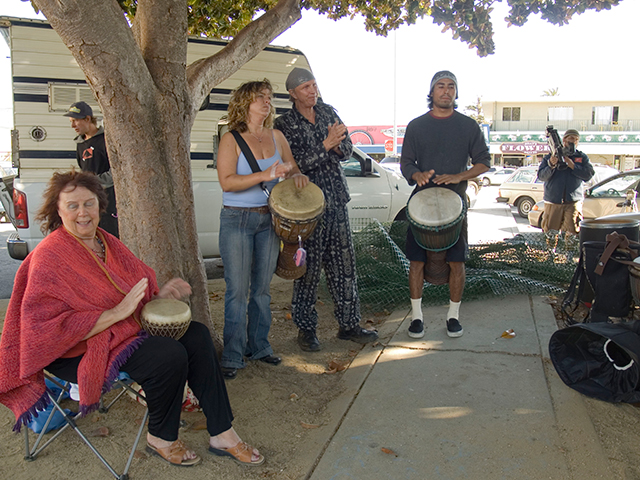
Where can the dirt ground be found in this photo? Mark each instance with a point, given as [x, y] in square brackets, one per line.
[280, 410]
[284, 411]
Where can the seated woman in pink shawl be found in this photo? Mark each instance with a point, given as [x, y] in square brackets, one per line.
[74, 310]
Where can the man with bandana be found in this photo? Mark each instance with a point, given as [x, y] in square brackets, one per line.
[319, 141]
[562, 192]
[435, 153]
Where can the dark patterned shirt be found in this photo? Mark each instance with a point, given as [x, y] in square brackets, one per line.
[322, 167]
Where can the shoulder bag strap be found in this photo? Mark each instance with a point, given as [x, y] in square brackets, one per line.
[249, 156]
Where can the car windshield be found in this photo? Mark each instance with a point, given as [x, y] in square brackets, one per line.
[523, 176]
[390, 160]
[617, 186]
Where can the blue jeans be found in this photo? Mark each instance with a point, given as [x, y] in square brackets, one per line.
[249, 250]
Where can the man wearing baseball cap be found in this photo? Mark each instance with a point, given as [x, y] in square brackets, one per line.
[435, 153]
[563, 180]
[91, 153]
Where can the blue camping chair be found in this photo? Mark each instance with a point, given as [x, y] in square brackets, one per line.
[123, 382]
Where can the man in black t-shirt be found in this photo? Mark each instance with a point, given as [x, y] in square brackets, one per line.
[91, 153]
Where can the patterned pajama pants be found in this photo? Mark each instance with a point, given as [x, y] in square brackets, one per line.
[330, 246]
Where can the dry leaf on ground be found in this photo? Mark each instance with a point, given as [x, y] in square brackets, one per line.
[309, 425]
[388, 451]
[508, 333]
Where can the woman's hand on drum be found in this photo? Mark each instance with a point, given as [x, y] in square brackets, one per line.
[123, 310]
[176, 288]
[278, 170]
[300, 179]
[422, 178]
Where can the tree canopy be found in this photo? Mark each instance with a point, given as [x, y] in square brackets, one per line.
[468, 20]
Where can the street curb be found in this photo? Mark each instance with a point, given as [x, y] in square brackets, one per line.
[353, 378]
[575, 427]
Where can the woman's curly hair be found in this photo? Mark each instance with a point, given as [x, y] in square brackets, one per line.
[48, 213]
[239, 103]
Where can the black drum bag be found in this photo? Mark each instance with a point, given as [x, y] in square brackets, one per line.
[599, 360]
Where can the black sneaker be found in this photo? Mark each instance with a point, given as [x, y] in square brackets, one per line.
[308, 341]
[454, 329]
[416, 329]
[358, 334]
[229, 373]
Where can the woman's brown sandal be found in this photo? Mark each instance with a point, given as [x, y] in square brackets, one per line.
[174, 454]
[241, 453]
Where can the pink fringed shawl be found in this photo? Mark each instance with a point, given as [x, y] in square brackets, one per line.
[59, 292]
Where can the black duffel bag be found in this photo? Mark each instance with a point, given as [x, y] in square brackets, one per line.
[599, 360]
[604, 268]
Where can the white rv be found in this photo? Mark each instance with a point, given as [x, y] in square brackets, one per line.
[46, 80]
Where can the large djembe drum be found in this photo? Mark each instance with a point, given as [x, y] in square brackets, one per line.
[165, 317]
[295, 212]
[436, 216]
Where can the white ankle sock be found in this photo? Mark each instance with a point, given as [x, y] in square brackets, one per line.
[454, 310]
[416, 308]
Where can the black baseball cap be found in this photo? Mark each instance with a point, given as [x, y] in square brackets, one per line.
[79, 110]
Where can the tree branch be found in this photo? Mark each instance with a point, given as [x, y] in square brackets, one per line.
[204, 74]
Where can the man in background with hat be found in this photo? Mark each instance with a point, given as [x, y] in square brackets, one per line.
[319, 141]
[91, 153]
[563, 190]
[435, 153]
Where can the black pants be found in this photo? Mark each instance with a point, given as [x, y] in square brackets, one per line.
[162, 366]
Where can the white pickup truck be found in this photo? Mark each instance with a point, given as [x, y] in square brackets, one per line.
[376, 193]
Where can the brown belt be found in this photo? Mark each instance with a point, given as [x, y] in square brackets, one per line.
[264, 209]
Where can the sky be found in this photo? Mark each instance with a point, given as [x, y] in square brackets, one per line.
[592, 58]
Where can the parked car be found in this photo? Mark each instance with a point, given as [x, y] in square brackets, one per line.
[375, 194]
[496, 175]
[594, 205]
[522, 190]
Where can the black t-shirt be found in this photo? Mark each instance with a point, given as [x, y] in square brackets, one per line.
[92, 154]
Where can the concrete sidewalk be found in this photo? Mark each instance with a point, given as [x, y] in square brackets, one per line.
[475, 407]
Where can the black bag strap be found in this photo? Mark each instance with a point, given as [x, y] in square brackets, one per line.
[571, 301]
[249, 156]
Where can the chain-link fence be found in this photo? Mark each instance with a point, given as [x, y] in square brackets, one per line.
[521, 265]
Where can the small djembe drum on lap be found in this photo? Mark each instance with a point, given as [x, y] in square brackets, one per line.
[165, 317]
[295, 213]
[436, 216]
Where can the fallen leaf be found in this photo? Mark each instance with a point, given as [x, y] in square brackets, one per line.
[320, 302]
[509, 333]
[293, 397]
[309, 425]
[100, 432]
[388, 451]
[288, 316]
[200, 424]
[139, 454]
[333, 365]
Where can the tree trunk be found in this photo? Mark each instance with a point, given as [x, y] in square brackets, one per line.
[139, 77]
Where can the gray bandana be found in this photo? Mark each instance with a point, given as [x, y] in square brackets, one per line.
[297, 77]
[439, 76]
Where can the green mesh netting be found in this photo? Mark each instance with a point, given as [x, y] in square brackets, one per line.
[521, 265]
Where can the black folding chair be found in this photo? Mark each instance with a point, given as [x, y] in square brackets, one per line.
[122, 382]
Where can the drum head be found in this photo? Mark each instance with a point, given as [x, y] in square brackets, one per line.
[296, 204]
[166, 310]
[435, 206]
